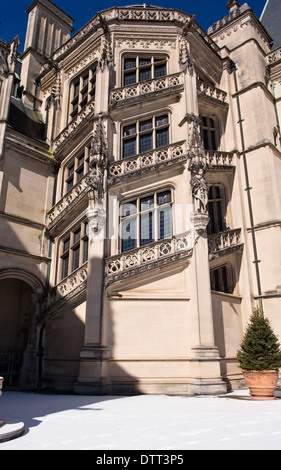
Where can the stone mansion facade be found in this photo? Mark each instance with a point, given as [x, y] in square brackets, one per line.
[140, 208]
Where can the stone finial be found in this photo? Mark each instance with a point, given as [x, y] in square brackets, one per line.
[232, 5]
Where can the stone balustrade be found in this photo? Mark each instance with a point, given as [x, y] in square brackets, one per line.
[148, 257]
[221, 242]
[147, 160]
[66, 202]
[167, 83]
[69, 286]
[218, 158]
[210, 91]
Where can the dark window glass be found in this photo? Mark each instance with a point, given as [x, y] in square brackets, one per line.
[162, 137]
[146, 142]
[64, 266]
[129, 148]
[75, 257]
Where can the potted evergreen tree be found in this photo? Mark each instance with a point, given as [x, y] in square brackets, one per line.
[260, 357]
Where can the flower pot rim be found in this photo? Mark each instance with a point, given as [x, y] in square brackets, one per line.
[260, 370]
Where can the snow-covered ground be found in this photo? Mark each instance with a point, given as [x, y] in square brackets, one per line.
[144, 422]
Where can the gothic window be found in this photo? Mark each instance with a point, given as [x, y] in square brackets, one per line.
[82, 90]
[74, 250]
[146, 219]
[141, 68]
[216, 206]
[209, 132]
[76, 169]
[145, 135]
[221, 280]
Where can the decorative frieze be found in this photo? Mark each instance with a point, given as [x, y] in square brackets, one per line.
[148, 257]
[223, 242]
[145, 161]
[122, 95]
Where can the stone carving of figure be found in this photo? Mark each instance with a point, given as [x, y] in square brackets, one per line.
[200, 189]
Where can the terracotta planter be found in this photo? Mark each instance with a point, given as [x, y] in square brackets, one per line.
[1, 384]
[261, 384]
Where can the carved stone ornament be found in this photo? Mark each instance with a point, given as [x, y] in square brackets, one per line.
[200, 189]
[197, 167]
[4, 67]
[185, 60]
[106, 55]
[98, 165]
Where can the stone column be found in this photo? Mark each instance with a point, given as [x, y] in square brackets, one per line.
[94, 356]
[205, 373]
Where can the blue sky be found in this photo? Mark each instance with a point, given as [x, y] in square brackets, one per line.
[14, 19]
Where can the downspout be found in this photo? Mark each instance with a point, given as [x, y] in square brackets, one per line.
[248, 189]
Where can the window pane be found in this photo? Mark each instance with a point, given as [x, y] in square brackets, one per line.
[70, 170]
[146, 142]
[80, 174]
[165, 223]
[145, 61]
[129, 148]
[163, 198]
[129, 208]
[76, 236]
[129, 130]
[64, 267]
[66, 245]
[76, 89]
[75, 257]
[80, 160]
[146, 125]
[161, 120]
[160, 70]
[145, 74]
[147, 228]
[69, 184]
[85, 250]
[146, 203]
[130, 78]
[129, 64]
[213, 140]
[129, 234]
[162, 137]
